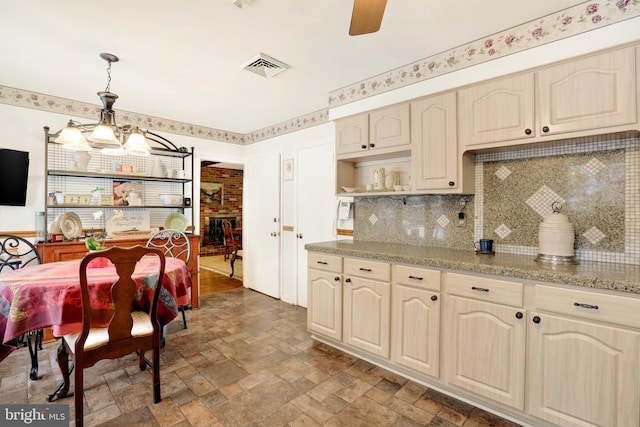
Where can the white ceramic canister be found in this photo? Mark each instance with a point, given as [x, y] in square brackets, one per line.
[556, 236]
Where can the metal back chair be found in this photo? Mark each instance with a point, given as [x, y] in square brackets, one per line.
[174, 244]
[129, 329]
[17, 252]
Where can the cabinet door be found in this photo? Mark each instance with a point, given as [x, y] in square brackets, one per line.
[485, 349]
[582, 373]
[352, 134]
[595, 92]
[435, 142]
[324, 312]
[497, 111]
[415, 322]
[366, 315]
[389, 127]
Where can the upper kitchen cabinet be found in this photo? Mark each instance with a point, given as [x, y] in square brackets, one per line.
[381, 131]
[437, 166]
[591, 95]
[497, 111]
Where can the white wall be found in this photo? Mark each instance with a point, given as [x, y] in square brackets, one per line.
[614, 35]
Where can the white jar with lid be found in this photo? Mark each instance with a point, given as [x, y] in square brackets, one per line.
[556, 239]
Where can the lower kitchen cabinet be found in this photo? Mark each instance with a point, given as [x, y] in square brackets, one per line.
[415, 319]
[367, 303]
[584, 372]
[485, 337]
[324, 294]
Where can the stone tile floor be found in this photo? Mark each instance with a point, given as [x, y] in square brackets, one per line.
[245, 360]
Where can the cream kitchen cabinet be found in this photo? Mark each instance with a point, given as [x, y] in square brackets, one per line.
[367, 303]
[380, 131]
[324, 295]
[485, 337]
[584, 358]
[415, 319]
[596, 93]
[437, 163]
[497, 111]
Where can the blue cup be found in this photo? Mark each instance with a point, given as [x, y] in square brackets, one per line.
[484, 246]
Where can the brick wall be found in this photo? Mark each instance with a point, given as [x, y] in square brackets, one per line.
[231, 206]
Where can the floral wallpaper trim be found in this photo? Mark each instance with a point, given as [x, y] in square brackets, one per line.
[292, 125]
[572, 21]
[69, 107]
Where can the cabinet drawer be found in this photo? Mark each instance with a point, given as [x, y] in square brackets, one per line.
[485, 289]
[417, 277]
[374, 270]
[617, 309]
[325, 262]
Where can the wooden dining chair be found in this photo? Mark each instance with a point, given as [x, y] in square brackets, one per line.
[174, 244]
[231, 243]
[17, 252]
[129, 330]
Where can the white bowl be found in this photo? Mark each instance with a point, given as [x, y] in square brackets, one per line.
[171, 199]
[350, 189]
[397, 188]
[406, 187]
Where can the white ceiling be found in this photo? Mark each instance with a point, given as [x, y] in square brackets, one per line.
[182, 60]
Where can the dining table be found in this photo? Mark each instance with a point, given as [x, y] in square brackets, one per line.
[48, 296]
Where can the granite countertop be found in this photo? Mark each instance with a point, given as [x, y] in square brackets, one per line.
[590, 274]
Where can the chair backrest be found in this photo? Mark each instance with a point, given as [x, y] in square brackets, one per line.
[226, 230]
[173, 243]
[17, 252]
[123, 291]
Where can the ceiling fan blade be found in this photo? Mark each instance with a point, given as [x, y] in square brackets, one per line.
[367, 16]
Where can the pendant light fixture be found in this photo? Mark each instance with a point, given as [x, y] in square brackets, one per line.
[106, 134]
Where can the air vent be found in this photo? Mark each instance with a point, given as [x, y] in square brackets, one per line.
[265, 66]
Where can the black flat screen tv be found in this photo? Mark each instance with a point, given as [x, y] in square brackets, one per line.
[14, 171]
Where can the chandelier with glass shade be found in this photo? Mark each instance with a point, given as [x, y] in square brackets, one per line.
[106, 135]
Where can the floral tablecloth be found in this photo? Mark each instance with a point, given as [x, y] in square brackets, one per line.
[48, 295]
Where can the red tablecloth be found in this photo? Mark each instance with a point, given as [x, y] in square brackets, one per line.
[48, 295]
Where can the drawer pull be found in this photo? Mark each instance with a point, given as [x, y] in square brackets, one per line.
[322, 262]
[364, 269]
[578, 304]
[415, 277]
[434, 297]
[519, 315]
[536, 319]
[476, 288]
[347, 280]
[337, 278]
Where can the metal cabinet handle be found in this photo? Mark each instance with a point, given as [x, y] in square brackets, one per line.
[519, 315]
[365, 269]
[536, 319]
[415, 277]
[337, 278]
[347, 280]
[545, 129]
[434, 297]
[372, 145]
[364, 147]
[322, 262]
[476, 288]
[591, 306]
[527, 131]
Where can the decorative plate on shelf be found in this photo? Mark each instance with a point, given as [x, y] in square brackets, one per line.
[176, 221]
[350, 189]
[70, 225]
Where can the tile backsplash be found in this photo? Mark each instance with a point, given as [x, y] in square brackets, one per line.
[596, 180]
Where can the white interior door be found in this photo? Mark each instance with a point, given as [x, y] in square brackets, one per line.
[261, 224]
[316, 205]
